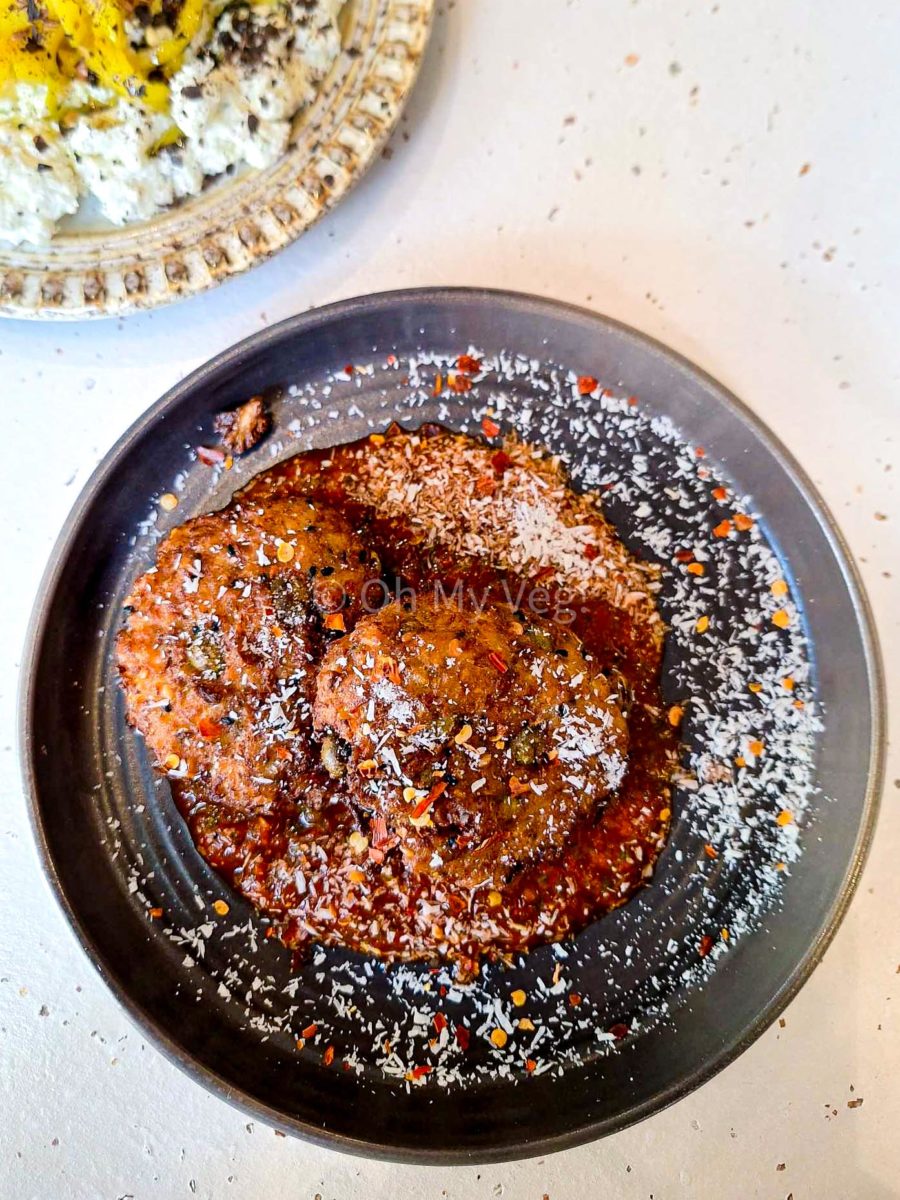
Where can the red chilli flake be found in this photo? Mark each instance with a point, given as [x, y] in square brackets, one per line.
[591, 552]
[379, 831]
[420, 1072]
[501, 462]
[207, 728]
[328, 1056]
[423, 806]
[586, 385]
[619, 1031]
[489, 428]
[468, 365]
[310, 1031]
[389, 669]
[462, 1037]
[684, 556]
[496, 661]
[348, 370]
[440, 1023]
[460, 383]
[530, 1064]
[210, 455]
[706, 944]
[700, 452]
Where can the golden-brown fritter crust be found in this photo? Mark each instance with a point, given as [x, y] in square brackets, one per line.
[478, 739]
[219, 650]
[243, 428]
[511, 508]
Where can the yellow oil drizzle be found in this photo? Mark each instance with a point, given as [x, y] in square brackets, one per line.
[54, 43]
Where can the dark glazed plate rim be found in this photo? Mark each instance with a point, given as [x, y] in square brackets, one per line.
[305, 325]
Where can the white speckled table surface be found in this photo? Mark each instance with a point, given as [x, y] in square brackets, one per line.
[721, 175]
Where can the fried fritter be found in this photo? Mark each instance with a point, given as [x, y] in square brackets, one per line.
[476, 739]
[243, 428]
[219, 650]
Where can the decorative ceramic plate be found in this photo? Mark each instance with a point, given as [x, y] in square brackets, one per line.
[770, 656]
[94, 269]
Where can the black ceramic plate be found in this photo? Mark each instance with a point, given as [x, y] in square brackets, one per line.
[780, 780]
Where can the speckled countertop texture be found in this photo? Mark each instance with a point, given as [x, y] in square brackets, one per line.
[722, 175]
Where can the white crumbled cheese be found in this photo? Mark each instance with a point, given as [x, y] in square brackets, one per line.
[111, 152]
[37, 187]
